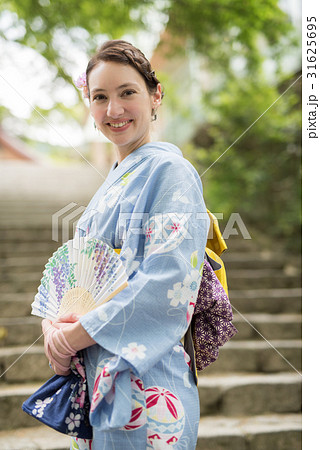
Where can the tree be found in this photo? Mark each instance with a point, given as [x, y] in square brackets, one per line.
[256, 173]
[223, 29]
[212, 27]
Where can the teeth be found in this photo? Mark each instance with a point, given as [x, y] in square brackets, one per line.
[119, 125]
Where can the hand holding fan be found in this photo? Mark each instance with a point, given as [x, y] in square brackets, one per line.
[80, 276]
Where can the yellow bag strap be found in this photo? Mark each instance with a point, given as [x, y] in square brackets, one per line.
[215, 241]
[215, 247]
[221, 273]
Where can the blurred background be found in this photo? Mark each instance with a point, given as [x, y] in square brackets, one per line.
[222, 63]
[231, 71]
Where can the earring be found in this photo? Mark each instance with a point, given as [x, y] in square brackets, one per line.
[96, 128]
[153, 114]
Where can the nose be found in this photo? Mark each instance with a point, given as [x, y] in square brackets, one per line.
[115, 108]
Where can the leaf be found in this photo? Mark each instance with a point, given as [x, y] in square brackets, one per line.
[194, 259]
[201, 269]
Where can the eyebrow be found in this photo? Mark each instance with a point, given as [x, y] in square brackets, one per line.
[122, 86]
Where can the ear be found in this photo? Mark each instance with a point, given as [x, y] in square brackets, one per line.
[86, 92]
[157, 96]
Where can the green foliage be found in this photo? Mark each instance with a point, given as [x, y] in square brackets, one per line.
[50, 28]
[222, 29]
[254, 170]
[210, 27]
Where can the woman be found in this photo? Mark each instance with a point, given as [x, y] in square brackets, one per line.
[142, 390]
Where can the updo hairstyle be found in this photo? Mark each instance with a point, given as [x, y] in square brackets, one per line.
[125, 53]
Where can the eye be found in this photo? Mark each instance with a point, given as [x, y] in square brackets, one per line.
[128, 92]
[99, 97]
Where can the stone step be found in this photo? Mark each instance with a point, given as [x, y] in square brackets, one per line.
[24, 363]
[42, 181]
[27, 228]
[25, 206]
[19, 330]
[28, 363]
[23, 263]
[22, 259]
[11, 233]
[16, 282]
[254, 260]
[262, 432]
[278, 431]
[238, 243]
[36, 438]
[11, 414]
[20, 281]
[250, 394]
[28, 233]
[258, 356]
[23, 233]
[272, 301]
[11, 302]
[271, 326]
[262, 278]
[225, 395]
[28, 249]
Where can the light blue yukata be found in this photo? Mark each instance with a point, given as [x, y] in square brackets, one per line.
[142, 390]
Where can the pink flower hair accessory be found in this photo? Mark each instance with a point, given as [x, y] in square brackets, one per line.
[81, 83]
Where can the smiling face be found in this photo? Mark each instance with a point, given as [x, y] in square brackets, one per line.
[121, 105]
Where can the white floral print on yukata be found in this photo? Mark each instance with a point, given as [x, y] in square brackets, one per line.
[187, 290]
[134, 351]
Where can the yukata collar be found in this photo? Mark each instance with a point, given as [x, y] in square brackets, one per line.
[118, 170]
[136, 157]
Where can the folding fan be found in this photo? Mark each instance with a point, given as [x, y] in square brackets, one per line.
[81, 275]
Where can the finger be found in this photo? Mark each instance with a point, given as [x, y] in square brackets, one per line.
[58, 362]
[46, 325]
[69, 318]
[46, 329]
[60, 325]
[48, 353]
[60, 372]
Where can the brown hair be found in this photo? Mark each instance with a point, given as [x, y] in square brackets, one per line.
[125, 53]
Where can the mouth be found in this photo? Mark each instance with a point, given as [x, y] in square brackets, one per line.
[119, 126]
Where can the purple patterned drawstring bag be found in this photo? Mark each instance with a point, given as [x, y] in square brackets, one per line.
[211, 325]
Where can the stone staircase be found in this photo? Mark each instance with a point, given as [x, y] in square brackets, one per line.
[250, 398]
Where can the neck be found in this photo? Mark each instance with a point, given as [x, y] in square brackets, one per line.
[123, 152]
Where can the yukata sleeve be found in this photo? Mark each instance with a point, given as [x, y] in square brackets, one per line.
[144, 321]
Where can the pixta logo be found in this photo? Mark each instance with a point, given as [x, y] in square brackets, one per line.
[64, 219]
